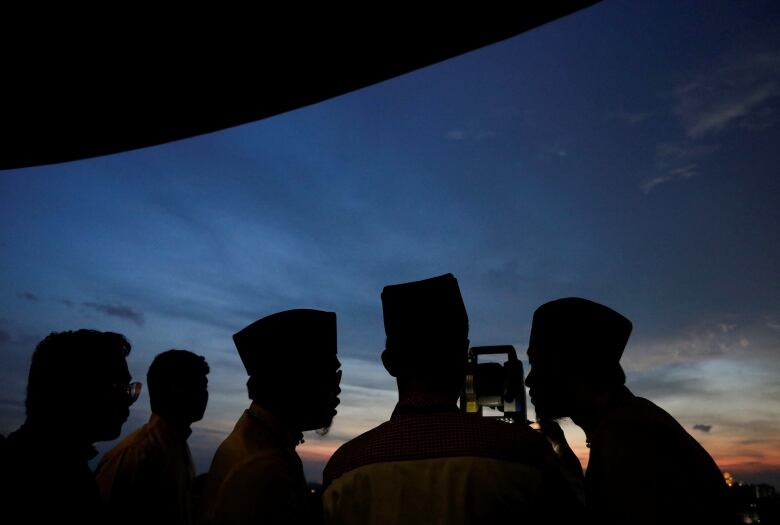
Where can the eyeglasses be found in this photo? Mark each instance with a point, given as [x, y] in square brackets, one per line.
[131, 391]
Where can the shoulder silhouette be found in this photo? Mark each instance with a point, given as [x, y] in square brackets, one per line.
[256, 476]
[432, 463]
[643, 467]
[78, 393]
[148, 477]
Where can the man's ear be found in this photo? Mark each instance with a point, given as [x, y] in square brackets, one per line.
[388, 360]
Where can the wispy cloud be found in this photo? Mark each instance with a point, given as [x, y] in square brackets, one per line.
[683, 172]
[669, 381]
[649, 185]
[29, 296]
[772, 322]
[118, 310]
[728, 392]
[675, 161]
[749, 337]
[722, 113]
[741, 91]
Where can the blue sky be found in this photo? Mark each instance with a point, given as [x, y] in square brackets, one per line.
[627, 153]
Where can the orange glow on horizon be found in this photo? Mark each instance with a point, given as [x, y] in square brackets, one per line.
[317, 451]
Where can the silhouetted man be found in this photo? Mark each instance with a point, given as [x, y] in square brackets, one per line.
[644, 468]
[147, 478]
[432, 463]
[256, 475]
[78, 393]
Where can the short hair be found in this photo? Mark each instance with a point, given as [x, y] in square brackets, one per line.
[82, 356]
[174, 366]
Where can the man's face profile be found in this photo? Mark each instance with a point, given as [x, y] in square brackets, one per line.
[547, 388]
[108, 403]
[190, 396]
[325, 409]
[200, 395]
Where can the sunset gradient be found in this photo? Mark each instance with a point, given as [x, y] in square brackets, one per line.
[627, 154]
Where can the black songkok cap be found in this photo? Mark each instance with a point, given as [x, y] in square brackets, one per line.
[580, 331]
[425, 310]
[287, 338]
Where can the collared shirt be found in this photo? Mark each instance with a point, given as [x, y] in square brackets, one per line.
[644, 468]
[147, 477]
[45, 478]
[256, 475]
[438, 465]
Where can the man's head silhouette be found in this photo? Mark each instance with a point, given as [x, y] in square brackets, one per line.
[80, 379]
[178, 386]
[293, 369]
[642, 466]
[427, 333]
[574, 342]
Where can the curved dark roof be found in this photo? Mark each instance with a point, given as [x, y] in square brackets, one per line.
[72, 91]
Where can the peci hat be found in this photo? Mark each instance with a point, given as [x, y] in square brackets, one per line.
[580, 331]
[287, 338]
[428, 309]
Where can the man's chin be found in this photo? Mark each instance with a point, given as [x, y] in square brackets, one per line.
[317, 425]
[324, 427]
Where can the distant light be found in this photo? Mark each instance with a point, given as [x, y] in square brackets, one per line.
[729, 479]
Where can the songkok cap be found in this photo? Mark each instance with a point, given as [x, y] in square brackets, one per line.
[287, 338]
[425, 310]
[580, 331]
